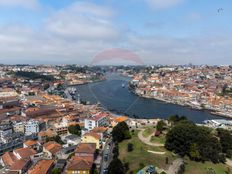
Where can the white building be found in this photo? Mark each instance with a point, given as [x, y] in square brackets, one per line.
[31, 127]
[96, 121]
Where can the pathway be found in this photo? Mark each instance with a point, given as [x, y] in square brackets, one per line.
[174, 167]
[146, 140]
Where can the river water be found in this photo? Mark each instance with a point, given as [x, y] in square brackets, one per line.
[114, 97]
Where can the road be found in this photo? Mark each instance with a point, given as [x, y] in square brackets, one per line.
[109, 151]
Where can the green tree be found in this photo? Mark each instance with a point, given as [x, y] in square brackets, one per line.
[121, 132]
[74, 129]
[194, 152]
[225, 141]
[116, 167]
[55, 138]
[56, 171]
[160, 125]
[197, 142]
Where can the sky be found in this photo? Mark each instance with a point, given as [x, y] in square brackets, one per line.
[78, 31]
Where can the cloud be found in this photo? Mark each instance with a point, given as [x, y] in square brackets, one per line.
[29, 4]
[75, 34]
[163, 4]
[83, 21]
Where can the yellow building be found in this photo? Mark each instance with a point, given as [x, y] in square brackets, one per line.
[92, 138]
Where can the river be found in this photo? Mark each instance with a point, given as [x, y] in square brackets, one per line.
[116, 98]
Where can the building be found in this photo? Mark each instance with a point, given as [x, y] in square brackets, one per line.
[116, 120]
[92, 138]
[42, 167]
[86, 149]
[19, 127]
[80, 165]
[32, 127]
[96, 121]
[5, 130]
[33, 144]
[19, 160]
[51, 149]
[43, 135]
[61, 128]
[72, 139]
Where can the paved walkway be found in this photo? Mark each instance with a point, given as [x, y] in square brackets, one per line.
[156, 152]
[146, 140]
[174, 167]
[229, 162]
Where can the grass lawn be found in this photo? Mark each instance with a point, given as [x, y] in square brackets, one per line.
[193, 167]
[140, 155]
[148, 131]
[160, 139]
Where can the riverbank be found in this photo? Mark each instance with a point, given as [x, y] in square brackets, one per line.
[86, 82]
[190, 105]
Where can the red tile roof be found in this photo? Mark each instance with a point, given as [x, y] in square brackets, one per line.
[86, 148]
[25, 152]
[9, 158]
[80, 163]
[20, 164]
[30, 143]
[41, 167]
[52, 147]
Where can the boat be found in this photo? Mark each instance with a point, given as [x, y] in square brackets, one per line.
[123, 85]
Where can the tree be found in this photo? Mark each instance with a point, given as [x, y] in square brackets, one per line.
[55, 138]
[225, 141]
[197, 142]
[116, 167]
[56, 171]
[160, 126]
[130, 147]
[121, 132]
[115, 151]
[176, 118]
[74, 129]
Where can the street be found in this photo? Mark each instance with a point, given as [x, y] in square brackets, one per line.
[107, 151]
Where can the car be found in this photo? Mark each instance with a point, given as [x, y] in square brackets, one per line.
[106, 157]
[105, 171]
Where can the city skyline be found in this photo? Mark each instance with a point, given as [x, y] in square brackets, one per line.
[158, 32]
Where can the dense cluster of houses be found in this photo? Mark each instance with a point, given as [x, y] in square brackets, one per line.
[199, 87]
[34, 128]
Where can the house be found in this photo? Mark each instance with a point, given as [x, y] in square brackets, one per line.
[86, 149]
[72, 139]
[19, 127]
[22, 153]
[42, 167]
[33, 144]
[80, 165]
[65, 152]
[102, 131]
[50, 149]
[19, 160]
[43, 135]
[116, 120]
[21, 166]
[92, 138]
